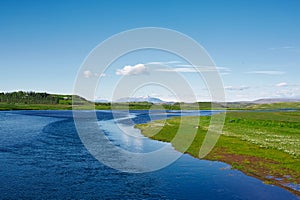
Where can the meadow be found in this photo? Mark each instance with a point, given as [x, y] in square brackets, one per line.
[265, 145]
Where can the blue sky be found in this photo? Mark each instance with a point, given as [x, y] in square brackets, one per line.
[43, 43]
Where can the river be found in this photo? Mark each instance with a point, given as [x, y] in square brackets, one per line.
[42, 157]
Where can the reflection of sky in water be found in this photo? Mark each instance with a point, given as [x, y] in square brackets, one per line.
[127, 137]
[121, 132]
[293, 186]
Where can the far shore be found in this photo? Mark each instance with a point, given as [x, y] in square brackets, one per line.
[146, 106]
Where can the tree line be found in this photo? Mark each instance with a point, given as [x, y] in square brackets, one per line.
[29, 98]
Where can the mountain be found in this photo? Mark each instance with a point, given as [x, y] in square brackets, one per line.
[140, 99]
[275, 100]
[101, 101]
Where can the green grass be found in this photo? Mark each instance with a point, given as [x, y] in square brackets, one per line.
[257, 143]
[21, 106]
[283, 105]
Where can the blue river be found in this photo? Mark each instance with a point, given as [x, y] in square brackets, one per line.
[42, 157]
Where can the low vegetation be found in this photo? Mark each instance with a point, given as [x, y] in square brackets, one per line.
[262, 144]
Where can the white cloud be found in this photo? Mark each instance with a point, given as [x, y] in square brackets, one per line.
[87, 74]
[132, 70]
[236, 88]
[282, 84]
[267, 72]
[205, 67]
[163, 62]
[183, 69]
[100, 75]
[195, 69]
[174, 66]
[223, 69]
[185, 65]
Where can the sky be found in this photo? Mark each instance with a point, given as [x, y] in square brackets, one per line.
[255, 45]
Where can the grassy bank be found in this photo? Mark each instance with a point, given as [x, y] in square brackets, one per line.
[265, 145]
[22, 106]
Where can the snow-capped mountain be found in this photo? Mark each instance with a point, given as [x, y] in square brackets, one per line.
[140, 99]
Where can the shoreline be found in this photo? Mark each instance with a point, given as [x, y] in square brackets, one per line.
[267, 164]
[265, 180]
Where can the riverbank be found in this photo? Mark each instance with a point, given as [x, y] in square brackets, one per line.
[265, 145]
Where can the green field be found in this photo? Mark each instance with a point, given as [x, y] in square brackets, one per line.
[261, 144]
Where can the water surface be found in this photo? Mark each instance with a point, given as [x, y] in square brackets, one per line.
[42, 157]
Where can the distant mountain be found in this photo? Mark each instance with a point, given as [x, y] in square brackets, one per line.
[140, 99]
[101, 101]
[275, 100]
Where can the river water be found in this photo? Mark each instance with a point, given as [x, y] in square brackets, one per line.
[42, 157]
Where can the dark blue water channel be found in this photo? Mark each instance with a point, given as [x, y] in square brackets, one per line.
[42, 157]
